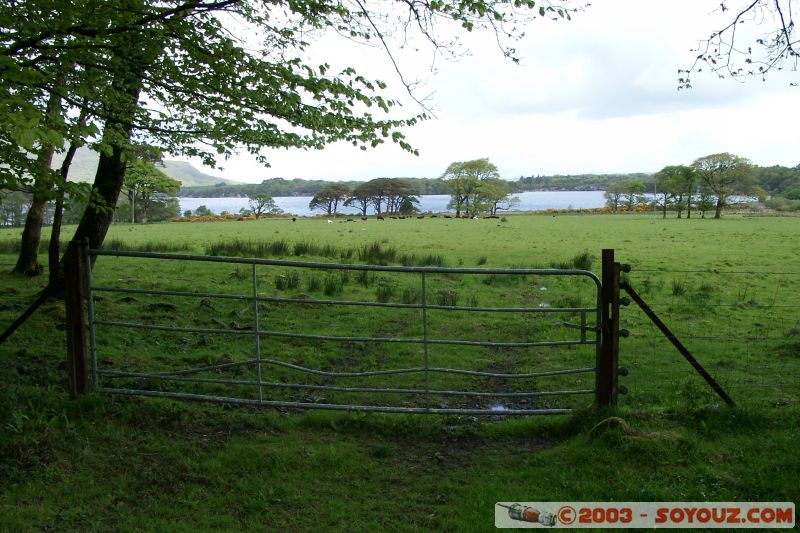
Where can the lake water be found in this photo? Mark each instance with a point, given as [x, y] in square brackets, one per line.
[437, 203]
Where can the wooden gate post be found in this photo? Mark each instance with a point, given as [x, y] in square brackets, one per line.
[74, 292]
[606, 387]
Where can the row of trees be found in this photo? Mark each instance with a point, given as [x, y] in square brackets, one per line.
[474, 186]
[383, 195]
[297, 187]
[708, 183]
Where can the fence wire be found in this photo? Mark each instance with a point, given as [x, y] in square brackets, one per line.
[742, 325]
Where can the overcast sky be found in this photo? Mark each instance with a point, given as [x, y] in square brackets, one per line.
[594, 95]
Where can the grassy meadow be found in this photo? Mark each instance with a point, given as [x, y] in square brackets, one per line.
[728, 288]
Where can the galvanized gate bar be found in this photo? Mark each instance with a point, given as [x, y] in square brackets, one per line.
[437, 392]
[187, 375]
[335, 407]
[400, 340]
[425, 337]
[346, 266]
[367, 373]
[258, 337]
[309, 301]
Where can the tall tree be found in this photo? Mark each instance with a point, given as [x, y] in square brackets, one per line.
[464, 179]
[28, 258]
[329, 198]
[496, 194]
[360, 198]
[675, 185]
[263, 204]
[143, 180]
[632, 194]
[724, 175]
[613, 195]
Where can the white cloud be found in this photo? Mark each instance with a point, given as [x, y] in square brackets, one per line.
[598, 94]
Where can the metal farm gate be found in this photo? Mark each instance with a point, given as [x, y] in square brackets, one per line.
[372, 347]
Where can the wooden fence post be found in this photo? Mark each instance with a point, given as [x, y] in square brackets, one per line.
[74, 292]
[606, 387]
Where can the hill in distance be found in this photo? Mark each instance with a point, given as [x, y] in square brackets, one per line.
[84, 166]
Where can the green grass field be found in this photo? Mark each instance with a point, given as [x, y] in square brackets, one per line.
[728, 288]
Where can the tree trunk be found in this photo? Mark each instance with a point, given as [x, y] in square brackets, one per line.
[55, 267]
[28, 260]
[718, 209]
[106, 188]
[110, 175]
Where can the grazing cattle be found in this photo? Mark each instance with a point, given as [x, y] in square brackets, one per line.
[379, 217]
[364, 218]
[330, 221]
[294, 219]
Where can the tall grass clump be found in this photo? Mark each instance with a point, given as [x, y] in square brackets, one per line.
[377, 254]
[245, 248]
[411, 295]
[364, 277]
[384, 291]
[149, 246]
[9, 247]
[287, 280]
[332, 284]
[583, 261]
[678, 287]
[12, 246]
[305, 248]
[446, 297]
[431, 260]
[313, 283]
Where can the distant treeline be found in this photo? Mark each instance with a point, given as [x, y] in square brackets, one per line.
[774, 180]
[297, 187]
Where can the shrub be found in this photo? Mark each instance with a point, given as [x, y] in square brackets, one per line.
[482, 260]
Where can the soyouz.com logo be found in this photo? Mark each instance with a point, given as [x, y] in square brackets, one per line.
[625, 515]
